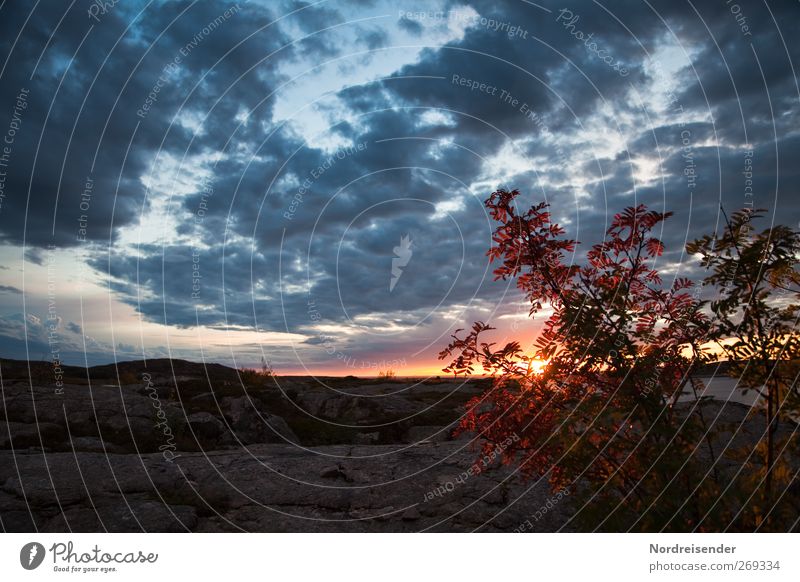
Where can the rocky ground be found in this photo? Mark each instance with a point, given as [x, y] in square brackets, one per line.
[175, 446]
[159, 450]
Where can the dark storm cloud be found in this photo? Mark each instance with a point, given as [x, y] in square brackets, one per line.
[100, 106]
[278, 233]
[410, 26]
[341, 264]
[373, 38]
[350, 262]
[530, 68]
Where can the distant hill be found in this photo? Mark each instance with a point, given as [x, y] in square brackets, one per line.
[20, 369]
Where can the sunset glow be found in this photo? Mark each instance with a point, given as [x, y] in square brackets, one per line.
[538, 366]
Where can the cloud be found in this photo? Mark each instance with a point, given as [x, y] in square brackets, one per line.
[412, 27]
[81, 149]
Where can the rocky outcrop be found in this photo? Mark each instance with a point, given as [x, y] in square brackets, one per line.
[194, 453]
[146, 451]
[356, 409]
[141, 417]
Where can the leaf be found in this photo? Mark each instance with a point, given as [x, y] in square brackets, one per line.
[655, 248]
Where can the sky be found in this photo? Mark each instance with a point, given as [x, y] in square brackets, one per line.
[304, 182]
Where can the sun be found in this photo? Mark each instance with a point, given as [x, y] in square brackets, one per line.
[537, 366]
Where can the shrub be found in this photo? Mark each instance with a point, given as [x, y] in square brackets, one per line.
[600, 416]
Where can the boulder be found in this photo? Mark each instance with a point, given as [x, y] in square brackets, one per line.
[411, 514]
[332, 472]
[206, 428]
[252, 426]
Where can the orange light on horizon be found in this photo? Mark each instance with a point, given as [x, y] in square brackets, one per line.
[421, 370]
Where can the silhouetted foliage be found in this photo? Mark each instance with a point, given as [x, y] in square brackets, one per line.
[602, 417]
[755, 325]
